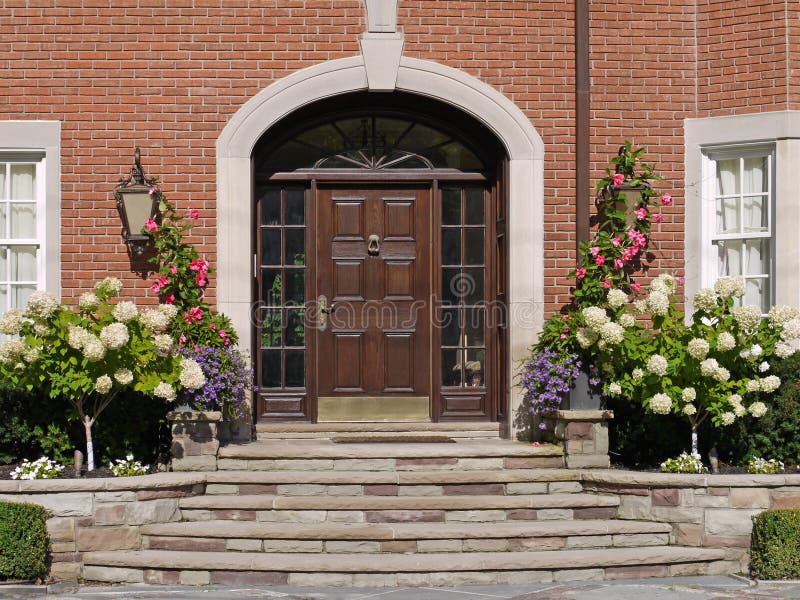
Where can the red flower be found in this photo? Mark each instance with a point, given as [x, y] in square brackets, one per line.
[636, 287]
[163, 281]
[200, 265]
[195, 314]
[173, 269]
[194, 214]
[616, 241]
[151, 225]
[606, 284]
[659, 218]
[169, 299]
[212, 326]
[666, 200]
[201, 280]
[618, 264]
[580, 273]
[618, 179]
[599, 260]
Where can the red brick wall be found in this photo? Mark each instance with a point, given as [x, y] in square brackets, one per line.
[167, 74]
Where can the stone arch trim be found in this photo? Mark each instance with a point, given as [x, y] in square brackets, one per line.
[462, 91]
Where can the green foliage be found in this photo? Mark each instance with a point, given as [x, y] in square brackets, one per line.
[21, 416]
[55, 442]
[775, 545]
[684, 463]
[24, 544]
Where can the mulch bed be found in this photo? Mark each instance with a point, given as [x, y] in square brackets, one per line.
[67, 473]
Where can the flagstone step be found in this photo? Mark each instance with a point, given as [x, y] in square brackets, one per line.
[403, 537]
[394, 483]
[287, 431]
[381, 570]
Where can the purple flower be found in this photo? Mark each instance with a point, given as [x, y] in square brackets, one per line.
[228, 378]
[547, 377]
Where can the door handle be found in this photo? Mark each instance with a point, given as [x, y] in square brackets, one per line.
[374, 245]
[324, 311]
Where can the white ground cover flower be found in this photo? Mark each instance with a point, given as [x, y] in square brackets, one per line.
[103, 384]
[43, 468]
[657, 304]
[637, 374]
[698, 348]
[612, 333]
[114, 336]
[41, 305]
[728, 418]
[110, 287]
[757, 409]
[11, 323]
[661, 404]
[192, 376]
[595, 317]
[88, 301]
[747, 316]
[586, 337]
[165, 391]
[616, 298]
[627, 320]
[124, 376]
[705, 299]
[770, 383]
[784, 349]
[725, 342]
[689, 410]
[791, 330]
[614, 389]
[657, 365]
[779, 314]
[728, 287]
[689, 394]
[125, 311]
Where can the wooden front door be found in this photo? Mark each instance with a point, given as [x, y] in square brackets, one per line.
[373, 308]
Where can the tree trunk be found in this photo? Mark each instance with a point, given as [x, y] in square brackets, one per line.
[695, 452]
[87, 425]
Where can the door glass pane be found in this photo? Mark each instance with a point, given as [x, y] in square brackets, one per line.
[451, 206]
[295, 328]
[451, 286]
[755, 176]
[271, 368]
[729, 258]
[295, 368]
[475, 363]
[270, 246]
[23, 263]
[757, 257]
[471, 286]
[451, 246]
[728, 177]
[295, 247]
[451, 330]
[20, 295]
[23, 182]
[271, 328]
[295, 287]
[474, 326]
[473, 246]
[271, 207]
[295, 207]
[23, 221]
[271, 287]
[451, 367]
[475, 206]
[727, 215]
[755, 213]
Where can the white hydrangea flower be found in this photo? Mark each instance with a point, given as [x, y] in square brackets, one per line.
[586, 337]
[612, 333]
[722, 374]
[640, 306]
[661, 404]
[734, 399]
[170, 311]
[689, 394]
[595, 317]
[165, 391]
[40, 329]
[614, 389]
[637, 374]
[192, 376]
[756, 350]
[88, 301]
[114, 336]
[93, 349]
[627, 320]
[705, 299]
[12, 351]
[31, 355]
[125, 311]
[770, 383]
[11, 323]
[784, 350]
[747, 316]
[757, 409]
[163, 343]
[109, 287]
[779, 314]
[41, 305]
[753, 385]
[616, 298]
[689, 410]
[728, 418]
[791, 330]
[739, 410]
[124, 376]
[103, 384]
[725, 342]
[657, 304]
[154, 320]
[664, 284]
[709, 366]
[657, 365]
[763, 367]
[728, 287]
[698, 348]
[77, 336]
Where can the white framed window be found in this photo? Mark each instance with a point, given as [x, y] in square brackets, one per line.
[22, 232]
[738, 197]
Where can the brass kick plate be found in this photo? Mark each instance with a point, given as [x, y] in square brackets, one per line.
[373, 408]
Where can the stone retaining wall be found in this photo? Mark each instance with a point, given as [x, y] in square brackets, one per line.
[101, 514]
[709, 511]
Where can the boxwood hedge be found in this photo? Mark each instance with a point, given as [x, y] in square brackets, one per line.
[24, 545]
[775, 545]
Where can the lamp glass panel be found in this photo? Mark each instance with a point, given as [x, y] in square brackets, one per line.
[138, 208]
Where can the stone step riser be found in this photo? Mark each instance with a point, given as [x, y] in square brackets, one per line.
[483, 489]
[317, 435]
[398, 516]
[392, 464]
[515, 544]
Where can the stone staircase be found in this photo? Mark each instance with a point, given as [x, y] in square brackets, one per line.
[307, 511]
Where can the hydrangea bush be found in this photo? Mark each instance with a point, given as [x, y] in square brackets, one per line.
[228, 379]
[87, 354]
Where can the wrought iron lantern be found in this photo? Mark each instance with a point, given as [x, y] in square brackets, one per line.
[627, 198]
[138, 198]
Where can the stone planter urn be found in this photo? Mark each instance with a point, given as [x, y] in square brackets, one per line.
[581, 396]
[195, 439]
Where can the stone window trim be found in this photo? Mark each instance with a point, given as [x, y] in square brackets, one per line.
[710, 138]
[40, 141]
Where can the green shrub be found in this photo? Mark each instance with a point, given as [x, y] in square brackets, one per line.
[775, 545]
[24, 544]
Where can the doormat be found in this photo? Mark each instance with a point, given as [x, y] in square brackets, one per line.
[392, 439]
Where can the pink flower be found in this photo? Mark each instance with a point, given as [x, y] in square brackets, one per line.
[153, 190]
[563, 336]
[222, 334]
[680, 280]
[641, 240]
[618, 179]
[201, 280]
[666, 200]
[169, 299]
[580, 273]
[616, 241]
[659, 218]
[632, 233]
[641, 214]
[594, 250]
[606, 284]
[163, 281]
[599, 260]
[212, 326]
[566, 329]
[636, 287]
[194, 214]
[199, 264]
[173, 269]
[151, 225]
[195, 314]
[618, 264]
[155, 288]
[227, 342]
[535, 444]
[182, 339]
